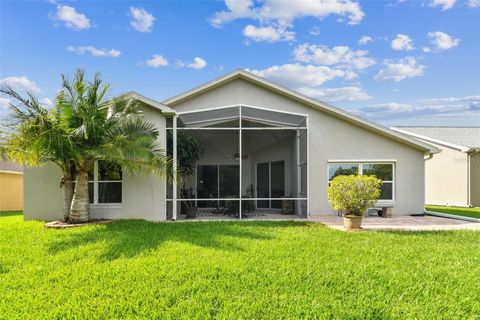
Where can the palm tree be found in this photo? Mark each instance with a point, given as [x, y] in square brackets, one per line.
[82, 129]
[110, 130]
[38, 135]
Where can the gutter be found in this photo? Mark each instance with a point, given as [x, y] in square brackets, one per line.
[450, 216]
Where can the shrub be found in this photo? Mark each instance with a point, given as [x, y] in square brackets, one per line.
[353, 194]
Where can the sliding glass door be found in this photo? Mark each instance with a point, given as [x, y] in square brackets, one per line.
[217, 181]
[270, 183]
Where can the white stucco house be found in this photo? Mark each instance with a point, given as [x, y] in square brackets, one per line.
[452, 177]
[268, 149]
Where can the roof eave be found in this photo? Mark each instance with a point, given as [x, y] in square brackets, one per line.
[240, 73]
[164, 109]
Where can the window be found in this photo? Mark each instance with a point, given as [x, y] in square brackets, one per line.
[341, 169]
[383, 171]
[109, 182]
[105, 186]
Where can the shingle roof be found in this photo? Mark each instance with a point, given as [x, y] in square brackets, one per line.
[10, 166]
[467, 137]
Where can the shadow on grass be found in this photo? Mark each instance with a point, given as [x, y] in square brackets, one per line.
[11, 213]
[127, 239]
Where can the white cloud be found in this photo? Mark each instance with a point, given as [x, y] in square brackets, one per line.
[298, 75]
[464, 106]
[336, 94]
[47, 102]
[473, 3]
[445, 4]
[71, 18]
[398, 71]
[94, 51]
[157, 61]
[442, 41]
[198, 63]
[341, 56]
[402, 42]
[142, 20]
[269, 33]
[4, 103]
[286, 12]
[20, 83]
[467, 99]
[364, 40]
[426, 49]
[282, 14]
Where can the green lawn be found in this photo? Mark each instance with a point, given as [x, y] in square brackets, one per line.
[459, 211]
[234, 270]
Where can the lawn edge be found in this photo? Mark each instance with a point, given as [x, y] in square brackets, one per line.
[451, 216]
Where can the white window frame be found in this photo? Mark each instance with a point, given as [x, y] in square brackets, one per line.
[96, 188]
[360, 164]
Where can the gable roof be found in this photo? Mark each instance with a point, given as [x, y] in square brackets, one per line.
[294, 95]
[464, 139]
[153, 103]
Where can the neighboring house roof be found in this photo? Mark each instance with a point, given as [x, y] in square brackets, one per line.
[464, 139]
[10, 166]
[319, 105]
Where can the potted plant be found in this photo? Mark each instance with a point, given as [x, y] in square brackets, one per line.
[188, 206]
[353, 195]
[189, 152]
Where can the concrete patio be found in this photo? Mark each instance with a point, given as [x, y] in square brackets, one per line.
[403, 223]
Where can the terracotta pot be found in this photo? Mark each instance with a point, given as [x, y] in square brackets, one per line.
[352, 222]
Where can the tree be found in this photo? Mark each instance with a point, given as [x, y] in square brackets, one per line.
[82, 129]
[353, 194]
[110, 130]
[38, 135]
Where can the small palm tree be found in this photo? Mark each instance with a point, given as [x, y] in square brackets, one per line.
[37, 135]
[107, 130]
[81, 129]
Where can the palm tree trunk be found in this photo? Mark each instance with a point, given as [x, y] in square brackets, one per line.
[80, 209]
[67, 185]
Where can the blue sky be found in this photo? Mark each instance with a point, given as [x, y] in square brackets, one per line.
[394, 62]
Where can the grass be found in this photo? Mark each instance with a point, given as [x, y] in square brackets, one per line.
[459, 211]
[235, 270]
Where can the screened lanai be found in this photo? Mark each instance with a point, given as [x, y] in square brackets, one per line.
[253, 165]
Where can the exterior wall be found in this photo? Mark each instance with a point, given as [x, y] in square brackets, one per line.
[143, 195]
[475, 180]
[446, 178]
[11, 191]
[330, 138]
[43, 196]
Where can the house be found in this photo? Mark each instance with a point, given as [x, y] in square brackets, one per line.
[11, 186]
[452, 177]
[268, 150]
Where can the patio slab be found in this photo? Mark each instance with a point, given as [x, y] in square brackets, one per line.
[403, 223]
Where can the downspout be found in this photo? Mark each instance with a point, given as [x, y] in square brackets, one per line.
[469, 200]
[428, 157]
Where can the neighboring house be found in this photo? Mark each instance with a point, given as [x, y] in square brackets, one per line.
[264, 143]
[452, 177]
[11, 186]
